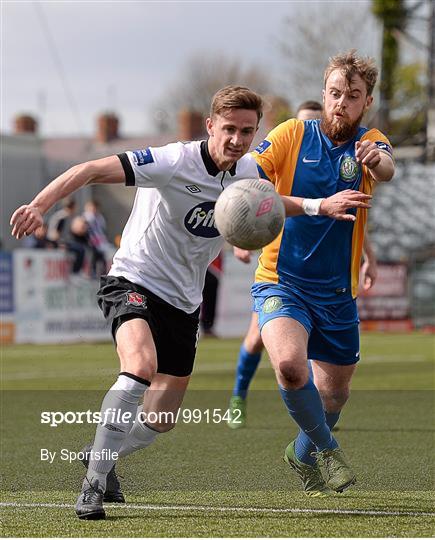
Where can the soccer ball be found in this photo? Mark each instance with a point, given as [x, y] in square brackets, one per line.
[249, 214]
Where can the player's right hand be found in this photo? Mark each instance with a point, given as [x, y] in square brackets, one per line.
[243, 255]
[25, 220]
[337, 205]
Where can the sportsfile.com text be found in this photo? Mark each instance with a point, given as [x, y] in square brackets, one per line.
[185, 416]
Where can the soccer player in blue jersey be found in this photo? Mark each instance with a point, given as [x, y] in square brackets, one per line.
[307, 279]
[252, 347]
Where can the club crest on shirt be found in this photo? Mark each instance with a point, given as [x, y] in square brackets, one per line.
[349, 169]
[272, 304]
[135, 299]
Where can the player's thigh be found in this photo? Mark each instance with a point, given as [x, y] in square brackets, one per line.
[286, 342]
[332, 377]
[285, 324]
[136, 349]
[163, 400]
[253, 342]
[335, 354]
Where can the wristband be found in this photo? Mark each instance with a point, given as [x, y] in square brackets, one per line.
[311, 206]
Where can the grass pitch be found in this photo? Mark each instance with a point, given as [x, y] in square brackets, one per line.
[203, 479]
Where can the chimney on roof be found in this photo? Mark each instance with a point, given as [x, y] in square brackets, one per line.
[190, 125]
[24, 123]
[107, 127]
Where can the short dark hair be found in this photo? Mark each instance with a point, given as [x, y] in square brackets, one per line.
[310, 105]
[351, 64]
[236, 97]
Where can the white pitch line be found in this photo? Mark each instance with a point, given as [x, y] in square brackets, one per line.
[228, 509]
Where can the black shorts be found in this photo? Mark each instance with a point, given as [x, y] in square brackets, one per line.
[175, 332]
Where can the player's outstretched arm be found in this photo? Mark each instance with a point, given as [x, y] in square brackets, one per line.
[335, 207]
[29, 217]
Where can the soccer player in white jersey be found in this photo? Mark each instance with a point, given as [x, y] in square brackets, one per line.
[152, 293]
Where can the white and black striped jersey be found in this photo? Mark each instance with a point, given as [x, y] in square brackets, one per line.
[170, 237]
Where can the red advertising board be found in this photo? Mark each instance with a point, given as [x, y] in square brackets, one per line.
[386, 305]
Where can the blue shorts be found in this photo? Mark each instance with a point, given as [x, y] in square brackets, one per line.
[332, 327]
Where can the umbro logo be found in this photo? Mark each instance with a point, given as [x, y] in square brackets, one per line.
[193, 189]
[306, 160]
[111, 427]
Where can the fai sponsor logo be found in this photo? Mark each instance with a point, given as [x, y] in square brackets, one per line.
[349, 169]
[143, 157]
[135, 299]
[200, 220]
[272, 304]
[384, 146]
[193, 189]
[262, 147]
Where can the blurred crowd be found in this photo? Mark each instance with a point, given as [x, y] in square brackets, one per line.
[83, 236]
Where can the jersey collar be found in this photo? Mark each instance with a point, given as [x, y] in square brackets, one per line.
[210, 165]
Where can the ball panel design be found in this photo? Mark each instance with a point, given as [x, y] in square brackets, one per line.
[249, 214]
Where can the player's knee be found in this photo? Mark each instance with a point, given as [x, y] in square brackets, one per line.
[334, 399]
[137, 362]
[291, 376]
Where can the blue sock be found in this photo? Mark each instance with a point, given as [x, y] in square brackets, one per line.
[303, 445]
[246, 367]
[306, 409]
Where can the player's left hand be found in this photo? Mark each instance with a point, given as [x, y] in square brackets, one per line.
[243, 255]
[25, 220]
[367, 153]
[369, 273]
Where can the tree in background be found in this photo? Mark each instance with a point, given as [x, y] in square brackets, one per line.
[392, 14]
[199, 80]
[404, 96]
[315, 32]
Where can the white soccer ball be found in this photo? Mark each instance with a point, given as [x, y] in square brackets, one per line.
[249, 214]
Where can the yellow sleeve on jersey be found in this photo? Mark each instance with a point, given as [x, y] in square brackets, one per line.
[278, 158]
[367, 186]
[278, 161]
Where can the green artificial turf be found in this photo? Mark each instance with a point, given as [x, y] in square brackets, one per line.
[203, 479]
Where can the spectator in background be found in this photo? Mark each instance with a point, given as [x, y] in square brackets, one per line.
[39, 240]
[209, 296]
[60, 231]
[98, 242]
[309, 110]
[59, 224]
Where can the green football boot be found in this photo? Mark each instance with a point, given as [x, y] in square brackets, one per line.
[311, 476]
[337, 472]
[237, 413]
